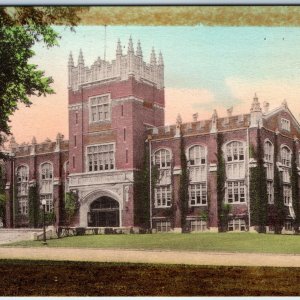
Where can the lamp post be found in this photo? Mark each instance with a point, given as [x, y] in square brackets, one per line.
[44, 227]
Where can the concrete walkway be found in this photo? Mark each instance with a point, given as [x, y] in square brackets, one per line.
[151, 256]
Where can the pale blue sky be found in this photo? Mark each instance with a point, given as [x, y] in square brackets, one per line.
[216, 66]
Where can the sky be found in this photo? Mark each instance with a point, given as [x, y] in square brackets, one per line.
[206, 68]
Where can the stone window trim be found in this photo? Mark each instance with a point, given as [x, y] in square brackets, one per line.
[104, 170]
[162, 158]
[163, 225]
[287, 195]
[22, 181]
[153, 157]
[197, 164]
[241, 155]
[198, 194]
[237, 225]
[163, 196]
[285, 155]
[189, 149]
[285, 124]
[286, 163]
[235, 192]
[41, 168]
[94, 113]
[46, 184]
[198, 225]
[269, 160]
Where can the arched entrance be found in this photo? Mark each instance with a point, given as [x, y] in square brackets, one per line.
[104, 212]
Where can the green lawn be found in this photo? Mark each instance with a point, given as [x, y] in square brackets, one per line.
[229, 242]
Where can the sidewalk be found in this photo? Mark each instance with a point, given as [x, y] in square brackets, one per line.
[153, 256]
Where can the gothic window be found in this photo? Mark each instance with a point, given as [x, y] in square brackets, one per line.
[101, 157]
[269, 159]
[287, 195]
[197, 176]
[269, 165]
[46, 182]
[235, 172]
[162, 191]
[22, 189]
[285, 124]
[100, 109]
[286, 156]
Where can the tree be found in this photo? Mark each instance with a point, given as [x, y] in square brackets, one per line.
[295, 189]
[223, 210]
[258, 188]
[2, 195]
[184, 184]
[20, 29]
[71, 205]
[278, 193]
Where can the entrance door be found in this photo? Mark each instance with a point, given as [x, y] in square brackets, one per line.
[104, 213]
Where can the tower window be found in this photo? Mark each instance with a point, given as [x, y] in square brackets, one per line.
[122, 110]
[100, 157]
[76, 117]
[100, 109]
[126, 156]
[124, 134]
[73, 162]
[75, 141]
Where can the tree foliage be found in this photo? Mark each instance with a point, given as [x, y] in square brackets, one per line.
[184, 184]
[71, 206]
[295, 189]
[258, 188]
[33, 206]
[2, 195]
[20, 29]
[223, 210]
[278, 193]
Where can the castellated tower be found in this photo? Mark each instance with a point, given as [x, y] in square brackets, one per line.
[111, 104]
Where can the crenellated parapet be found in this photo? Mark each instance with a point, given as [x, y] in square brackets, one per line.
[122, 67]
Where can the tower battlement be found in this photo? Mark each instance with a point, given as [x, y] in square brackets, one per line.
[122, 67]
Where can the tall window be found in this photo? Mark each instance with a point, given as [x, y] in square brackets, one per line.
[22, 189]
[101, 157]
[46, 192]
[100, 108]
[285, 124]
[162, 191]
[286, 157]
[269, 164]
[198, 176]
[235, 172]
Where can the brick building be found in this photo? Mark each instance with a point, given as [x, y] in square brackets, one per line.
[116, 116]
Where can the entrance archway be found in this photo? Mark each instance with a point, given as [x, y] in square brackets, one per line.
[104, 212]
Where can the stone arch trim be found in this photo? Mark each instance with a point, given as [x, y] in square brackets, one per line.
[86, 201]
[90, 197]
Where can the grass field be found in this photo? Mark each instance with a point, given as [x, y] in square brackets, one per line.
[228, 242]
[37, 278]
